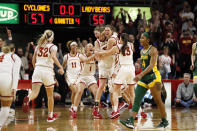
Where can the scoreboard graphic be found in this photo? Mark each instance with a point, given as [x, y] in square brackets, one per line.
[63, 14]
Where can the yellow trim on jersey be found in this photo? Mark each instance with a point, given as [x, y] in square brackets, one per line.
[158, 79]
[142, 84]
[195, 77]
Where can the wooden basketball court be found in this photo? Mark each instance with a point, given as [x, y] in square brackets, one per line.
[179, 119]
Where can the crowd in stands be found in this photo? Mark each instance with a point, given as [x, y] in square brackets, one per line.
[173, 28]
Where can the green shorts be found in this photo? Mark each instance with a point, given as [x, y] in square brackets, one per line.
[149, 80]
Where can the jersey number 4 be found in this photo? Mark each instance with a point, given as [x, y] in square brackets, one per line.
[43, 52]
[1, 58]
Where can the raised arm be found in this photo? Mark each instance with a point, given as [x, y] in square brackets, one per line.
[86, 59]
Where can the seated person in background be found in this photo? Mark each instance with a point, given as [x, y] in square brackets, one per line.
[185, 94]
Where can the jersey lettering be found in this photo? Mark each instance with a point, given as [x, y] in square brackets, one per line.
[2, 57]
[43, 52]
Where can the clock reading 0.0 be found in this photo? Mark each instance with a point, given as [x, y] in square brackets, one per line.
[66, 10]
[34, 18]
[97, 19]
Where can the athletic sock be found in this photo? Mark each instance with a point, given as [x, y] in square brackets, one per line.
[115, 108]
[75, 108]
[4, 113]
[50, 114]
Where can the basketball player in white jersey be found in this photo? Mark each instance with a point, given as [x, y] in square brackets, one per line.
[73, 67]
[126, 71]
[43, 61]
[10, 65]
[86, 77]
[106, 66]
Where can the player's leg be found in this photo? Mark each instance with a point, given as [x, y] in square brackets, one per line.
[115, 112]
[34, 93]
[79, 92]
[156, 93]
[93, 88]
[141, 90]
[73, 93]
[131, 92]
[102, 83]
[5, 108]
[51, 115]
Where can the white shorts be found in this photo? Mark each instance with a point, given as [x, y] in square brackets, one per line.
[6, 85]
[44, 75]
[87, 80]
[125, 75]
[71, 80]
[105, 73]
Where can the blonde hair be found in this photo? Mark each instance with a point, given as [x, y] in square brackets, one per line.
[48, 36]
[6, 49]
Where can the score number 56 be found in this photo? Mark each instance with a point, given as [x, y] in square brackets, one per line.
[97, 19]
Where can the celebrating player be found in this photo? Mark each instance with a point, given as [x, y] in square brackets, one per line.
[72, 64]
[126, 71]
[106, 66]
[86, 77]
[43, 59]
[10, 65]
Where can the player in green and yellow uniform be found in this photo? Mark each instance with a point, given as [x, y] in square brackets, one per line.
[149, 78]
[194, 67]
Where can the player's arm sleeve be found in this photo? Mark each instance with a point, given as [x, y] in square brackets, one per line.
[16, 70]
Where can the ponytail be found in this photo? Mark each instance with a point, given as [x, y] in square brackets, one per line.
[125, 38]
[48, 36]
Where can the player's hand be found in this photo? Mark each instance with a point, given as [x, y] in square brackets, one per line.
[137, 78]
[192, 67]
[14, 94]
[9, 32]
[61, 71]
[178, 100]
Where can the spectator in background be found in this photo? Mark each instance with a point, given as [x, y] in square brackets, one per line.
[24, 64]
[185, 93]
[186, 13]
[165, 60]
[185, 43]
[90, 40]
[138, 68]
[173, 50]
[136, 47]
[29, 55]
[1, 43]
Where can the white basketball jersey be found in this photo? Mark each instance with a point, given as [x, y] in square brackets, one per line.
[43, 57]
[127, 59]
[6, 62]
[73, 64]
[88, 69]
